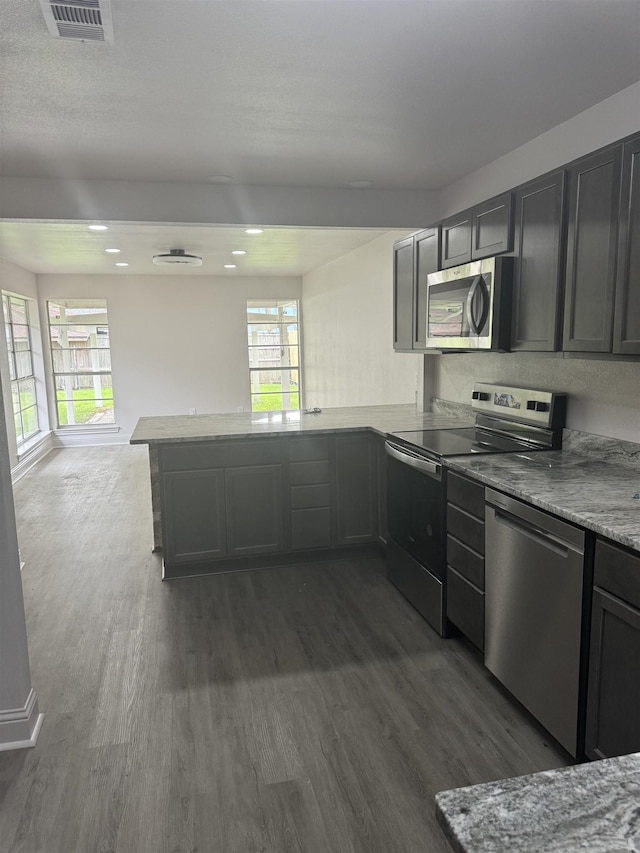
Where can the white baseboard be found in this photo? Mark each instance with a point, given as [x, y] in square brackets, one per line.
[89, 437]
[20, 727]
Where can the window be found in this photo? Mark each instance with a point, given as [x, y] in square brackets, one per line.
[23, 383]
[272, 327]
[81, 359]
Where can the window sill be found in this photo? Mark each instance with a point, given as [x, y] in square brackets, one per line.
[84, 429]
[27, 447]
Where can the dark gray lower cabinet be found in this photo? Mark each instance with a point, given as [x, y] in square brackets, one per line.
[465, 557]
[226, 500]
[194, 515]
[356, 489]
[254, 510]
[613, 703]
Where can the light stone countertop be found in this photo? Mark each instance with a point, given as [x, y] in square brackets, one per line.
[592, 493]
[381, 419]
[589, 808]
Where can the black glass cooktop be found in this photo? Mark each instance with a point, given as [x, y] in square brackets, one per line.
[460, 442]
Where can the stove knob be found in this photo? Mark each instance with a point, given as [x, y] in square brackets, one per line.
[537, 406]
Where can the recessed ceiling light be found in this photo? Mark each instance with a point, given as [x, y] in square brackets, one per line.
[253, 231]
[360, 185]
[122, 264]
[112, 251]
[238, 252]
[229, 266]
[220, 179]
[98, 227]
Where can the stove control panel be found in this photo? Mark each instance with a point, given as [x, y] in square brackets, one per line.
[526, 405]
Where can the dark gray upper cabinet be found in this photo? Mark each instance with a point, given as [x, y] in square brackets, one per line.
[492, 227]
[539, 264]
[613, 702]
[481, 232]
[592, 245]
[403, 294]
[413, 259]
[455, 240]
[626, 333]
[426, 255]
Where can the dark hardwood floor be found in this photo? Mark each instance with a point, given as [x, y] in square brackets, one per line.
[307, 708]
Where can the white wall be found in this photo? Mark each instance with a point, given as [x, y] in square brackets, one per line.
[23, 283]
[348, 332]
[608, 121]
[177, 342]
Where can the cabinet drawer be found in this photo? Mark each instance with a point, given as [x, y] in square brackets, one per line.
[219, 454]
[310, 528]
[465, 607]
[309, 449]
[465, 493]
[617, 571]
[468, 563]
[305, 497]
[309, 473]
[466, 528]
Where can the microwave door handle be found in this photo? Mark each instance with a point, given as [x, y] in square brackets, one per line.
[476, 325]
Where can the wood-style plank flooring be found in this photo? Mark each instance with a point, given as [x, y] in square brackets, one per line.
[307, 708]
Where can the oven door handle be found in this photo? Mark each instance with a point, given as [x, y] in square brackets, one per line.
[426, 466]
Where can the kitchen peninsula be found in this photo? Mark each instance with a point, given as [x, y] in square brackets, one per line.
[249, 490]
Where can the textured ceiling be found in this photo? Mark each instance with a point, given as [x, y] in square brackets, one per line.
[52, 247]
[408, 94]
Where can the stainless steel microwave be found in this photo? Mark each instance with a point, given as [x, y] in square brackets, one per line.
[469, 307]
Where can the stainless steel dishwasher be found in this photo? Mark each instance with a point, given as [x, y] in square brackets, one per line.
[534, 567]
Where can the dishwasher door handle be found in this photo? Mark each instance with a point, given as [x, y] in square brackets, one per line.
[542, 537]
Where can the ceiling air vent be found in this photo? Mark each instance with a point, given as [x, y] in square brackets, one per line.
[79, 20]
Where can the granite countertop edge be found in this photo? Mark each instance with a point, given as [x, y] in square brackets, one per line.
[584, 807]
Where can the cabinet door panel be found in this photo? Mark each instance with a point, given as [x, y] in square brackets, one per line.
[403, 294]
[356, 489]
[613, 704]
[465, 607]
[492, 232]
[594, 196]
[539, 258]
[627, 318]
[455, 239]
[427, 260]
[311, 528]
[194, 518]
[254, 510]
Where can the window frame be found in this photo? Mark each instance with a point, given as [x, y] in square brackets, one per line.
[73, 373]
[295, 365]
[16, 380]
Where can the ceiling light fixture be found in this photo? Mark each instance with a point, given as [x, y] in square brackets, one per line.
[229, 266]
[238, 252]
[178, 256]
[122, 264]
[98, 227]
[112, 251]
[253, 231]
